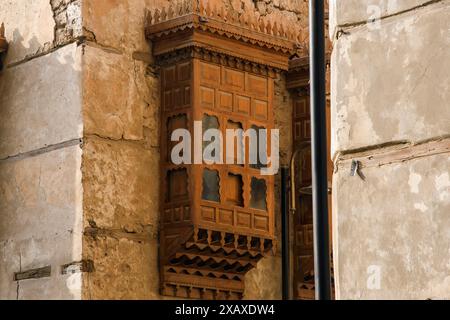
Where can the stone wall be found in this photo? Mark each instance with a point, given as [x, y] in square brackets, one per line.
[40, 154]
[390, 110]
[121, 154]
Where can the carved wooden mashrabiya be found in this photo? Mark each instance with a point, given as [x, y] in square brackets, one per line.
[216, 67]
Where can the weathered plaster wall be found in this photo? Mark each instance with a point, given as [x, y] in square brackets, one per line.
[40, 156]
[36, 27]
[390, 93]
[363, 11]
[41, 101]
[40, 224]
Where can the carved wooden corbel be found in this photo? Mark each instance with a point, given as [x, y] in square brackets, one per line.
[218, 68]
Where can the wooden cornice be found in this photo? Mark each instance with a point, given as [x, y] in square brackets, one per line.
[193, 24]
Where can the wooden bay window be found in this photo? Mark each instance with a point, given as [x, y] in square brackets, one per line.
[217, 219]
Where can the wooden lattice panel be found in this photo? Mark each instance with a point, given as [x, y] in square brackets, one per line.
[303, 247]
[218, 219]
[237, 99]
[3, 44]
[217, 72]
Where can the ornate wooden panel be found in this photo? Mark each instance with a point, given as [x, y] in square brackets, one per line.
[217, 70]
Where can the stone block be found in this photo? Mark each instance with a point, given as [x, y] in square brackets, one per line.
[40, 102]
[394, 225]
[124, 269]
[41, 221]
[119, 24]
[115, 94]
[391, 84]
[41, 196]
[37, 252]
[121, 185]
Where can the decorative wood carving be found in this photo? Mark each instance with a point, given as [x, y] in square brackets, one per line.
[217, 220]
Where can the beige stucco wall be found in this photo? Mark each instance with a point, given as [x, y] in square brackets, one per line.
[40, 154]
[390, 90]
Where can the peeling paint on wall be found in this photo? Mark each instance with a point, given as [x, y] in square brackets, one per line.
[390, 100]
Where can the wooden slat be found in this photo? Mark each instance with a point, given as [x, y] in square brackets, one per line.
[44, 272]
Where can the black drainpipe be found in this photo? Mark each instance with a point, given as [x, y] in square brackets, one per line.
[319, 150]
[285, 232]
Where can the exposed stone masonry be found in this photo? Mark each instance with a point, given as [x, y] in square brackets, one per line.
[122, 56]
[68, 21]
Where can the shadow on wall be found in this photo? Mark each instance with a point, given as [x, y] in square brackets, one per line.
[40, 173]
